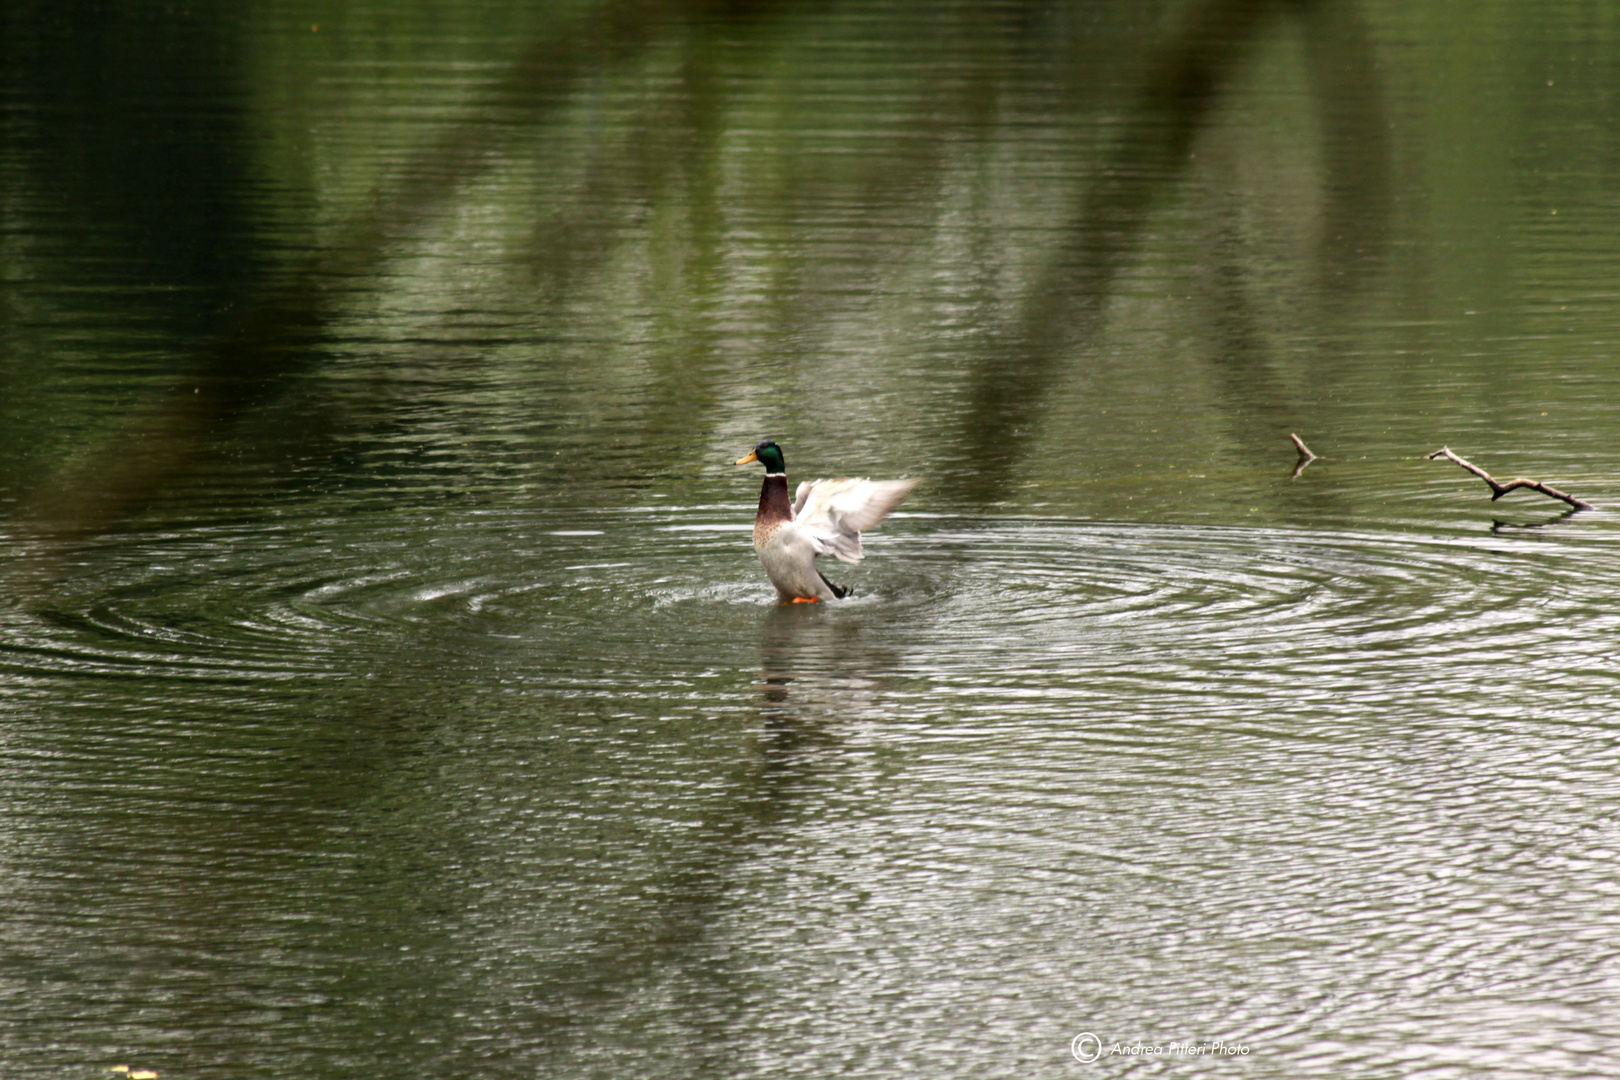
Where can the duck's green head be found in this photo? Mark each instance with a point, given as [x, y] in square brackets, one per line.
[767, 454]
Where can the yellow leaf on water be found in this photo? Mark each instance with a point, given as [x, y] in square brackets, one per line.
[143, 1074]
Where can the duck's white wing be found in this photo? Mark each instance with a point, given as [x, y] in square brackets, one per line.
[835, 512]
[801, 493]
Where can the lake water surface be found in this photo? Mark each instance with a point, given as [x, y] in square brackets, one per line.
[387, 683]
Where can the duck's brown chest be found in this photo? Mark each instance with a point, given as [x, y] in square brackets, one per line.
[774, 509]
[764, 530]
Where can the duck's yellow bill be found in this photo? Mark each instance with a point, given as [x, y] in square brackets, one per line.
[751, 456]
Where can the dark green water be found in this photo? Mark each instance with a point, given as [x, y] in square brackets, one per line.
[388, 687]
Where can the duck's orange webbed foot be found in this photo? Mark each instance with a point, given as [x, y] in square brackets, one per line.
[805, 600]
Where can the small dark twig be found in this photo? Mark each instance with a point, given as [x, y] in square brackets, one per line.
[1305, 455]
[1499, 489]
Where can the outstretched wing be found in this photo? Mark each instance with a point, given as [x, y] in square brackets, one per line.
[835, 512]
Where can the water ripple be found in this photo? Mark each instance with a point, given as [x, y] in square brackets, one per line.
[1335, 794]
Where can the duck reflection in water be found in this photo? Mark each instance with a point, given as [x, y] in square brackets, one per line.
[818, 674]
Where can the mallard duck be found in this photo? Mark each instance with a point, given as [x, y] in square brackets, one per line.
[825, 518]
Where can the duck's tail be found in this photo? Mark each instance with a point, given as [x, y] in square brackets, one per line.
[838, 590]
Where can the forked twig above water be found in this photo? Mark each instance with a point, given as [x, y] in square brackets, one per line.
[1305, 455]
[1499, 489]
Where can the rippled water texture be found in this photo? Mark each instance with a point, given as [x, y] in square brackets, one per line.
[387, 683]
[570, 795]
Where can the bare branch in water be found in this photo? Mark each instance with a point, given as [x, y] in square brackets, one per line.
[1305, 455]
[1499, 489]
